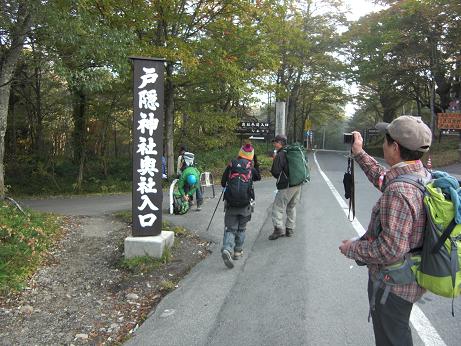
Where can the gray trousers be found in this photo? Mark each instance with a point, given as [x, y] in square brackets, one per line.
[285, 201]
[235, 222]
[391, 321]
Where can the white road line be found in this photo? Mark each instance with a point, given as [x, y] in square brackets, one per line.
[420, 322]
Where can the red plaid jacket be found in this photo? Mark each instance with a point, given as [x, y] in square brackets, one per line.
[401, 212]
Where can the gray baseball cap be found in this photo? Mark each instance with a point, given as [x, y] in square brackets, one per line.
[410, 132]
[280, 138]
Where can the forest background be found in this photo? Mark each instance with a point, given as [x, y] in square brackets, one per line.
[65, 79]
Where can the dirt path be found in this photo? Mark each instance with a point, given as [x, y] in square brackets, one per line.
[83, 296]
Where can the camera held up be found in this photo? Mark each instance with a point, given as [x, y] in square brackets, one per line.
[348, 138]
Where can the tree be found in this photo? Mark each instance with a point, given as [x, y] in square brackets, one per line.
[15, 22]
[401, 52]
[306, 41]
[207, 50]
[89, 43]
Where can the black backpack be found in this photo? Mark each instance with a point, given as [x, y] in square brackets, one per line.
[239, 188]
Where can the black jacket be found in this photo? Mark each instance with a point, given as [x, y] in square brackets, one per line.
[279, 169]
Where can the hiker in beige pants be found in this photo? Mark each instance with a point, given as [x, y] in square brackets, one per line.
[286, 200]
[287, 197]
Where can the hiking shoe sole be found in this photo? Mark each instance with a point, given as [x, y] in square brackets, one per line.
[226, 256]
[274, 236]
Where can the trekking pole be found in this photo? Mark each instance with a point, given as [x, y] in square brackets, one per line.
[212, 216]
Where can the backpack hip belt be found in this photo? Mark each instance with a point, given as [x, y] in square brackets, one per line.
[399, 273]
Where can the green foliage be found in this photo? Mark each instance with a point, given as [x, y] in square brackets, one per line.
[145, 264]
[30, 176]
[167, 285]
[178, 230]
[397, 53]
[24, 240]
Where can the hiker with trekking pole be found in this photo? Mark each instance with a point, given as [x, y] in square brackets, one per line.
[237, 182]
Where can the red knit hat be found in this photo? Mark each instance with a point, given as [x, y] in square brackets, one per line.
[247, 152]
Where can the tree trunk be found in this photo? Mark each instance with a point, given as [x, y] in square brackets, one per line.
[79, 135]
[390, 105]
[8, 59]
[169, 118]
[39, 142]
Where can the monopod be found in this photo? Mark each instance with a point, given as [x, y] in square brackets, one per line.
[212, 216]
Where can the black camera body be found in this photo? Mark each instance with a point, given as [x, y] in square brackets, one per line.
[348, 138]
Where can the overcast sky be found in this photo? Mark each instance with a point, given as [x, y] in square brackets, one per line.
[360, 7]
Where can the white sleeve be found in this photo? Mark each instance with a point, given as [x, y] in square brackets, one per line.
[178, 167]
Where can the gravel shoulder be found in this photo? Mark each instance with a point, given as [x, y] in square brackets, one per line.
[81, 295]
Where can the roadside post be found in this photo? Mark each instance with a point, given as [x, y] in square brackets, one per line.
[147, 238]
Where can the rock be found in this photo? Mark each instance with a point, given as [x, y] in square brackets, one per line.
[26, 309]
[81, 336]
[132, 296]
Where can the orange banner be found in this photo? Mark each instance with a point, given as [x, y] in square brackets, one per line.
[449, 121]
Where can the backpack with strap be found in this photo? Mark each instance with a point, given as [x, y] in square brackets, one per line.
[437, 267]
[180, 206]
[298, 164]
[239, 188]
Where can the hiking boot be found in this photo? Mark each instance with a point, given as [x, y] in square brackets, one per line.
[227, 258]
[288, 232]
[277, 233]
[237, 255]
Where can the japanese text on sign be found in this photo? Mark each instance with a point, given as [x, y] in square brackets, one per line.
[449, 121]
[147, 149]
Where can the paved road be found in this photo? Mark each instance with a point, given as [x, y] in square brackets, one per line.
[293, 291]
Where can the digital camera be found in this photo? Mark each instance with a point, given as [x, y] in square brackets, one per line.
[348, 138]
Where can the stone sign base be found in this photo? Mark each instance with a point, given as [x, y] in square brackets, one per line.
[151, 246]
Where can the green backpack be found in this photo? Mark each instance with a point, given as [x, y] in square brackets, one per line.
[298, 164]
[180, 206]
[437, 267]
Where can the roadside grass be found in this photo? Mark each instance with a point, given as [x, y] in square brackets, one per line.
[444, 153]
[124, 216]
[145, 264]
[24, 240]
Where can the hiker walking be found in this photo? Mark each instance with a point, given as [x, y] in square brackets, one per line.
[237, 180]
[188, 183]
[397, 225]
[287, 196]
